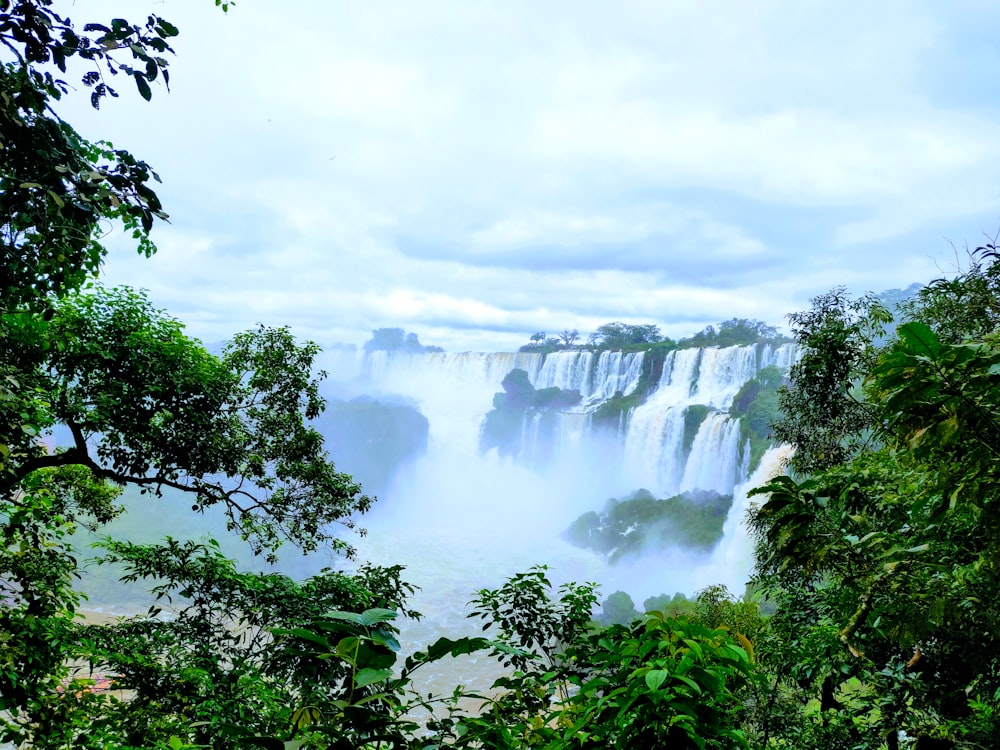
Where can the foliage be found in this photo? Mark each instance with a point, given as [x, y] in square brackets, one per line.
[964, 306]
[626, 335]
[55, 186]
[519, 402]
[882, 561]
[145, 405]
[757, 406]
[640, 522]
[568, 337]
[654, 682]
[671, 606]
[396, 339]
[530, 621]
[734, 332]
[137, 401]
[823, 413]
[878, 557]
[214, 671]
[244, 659]
[36, 587]
[618, 609]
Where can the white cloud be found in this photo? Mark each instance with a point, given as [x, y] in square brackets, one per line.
[477, 172]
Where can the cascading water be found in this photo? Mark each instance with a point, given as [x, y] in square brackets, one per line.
[460, 521]
[715, 456]
[681, 438]
[597, 380]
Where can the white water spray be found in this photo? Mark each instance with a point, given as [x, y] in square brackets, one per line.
[483, 517]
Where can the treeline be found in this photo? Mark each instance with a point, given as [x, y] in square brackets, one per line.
[397, 340]
[640, 336]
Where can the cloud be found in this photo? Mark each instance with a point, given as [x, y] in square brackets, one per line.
[477, 172]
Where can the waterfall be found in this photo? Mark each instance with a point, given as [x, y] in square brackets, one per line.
[715, 456]
[722, 372]
[570, 371]
[680, 438]
[454, 391]
[460, 521]
[707, 379]
[733, 557]
[617, 372]
[597, 381]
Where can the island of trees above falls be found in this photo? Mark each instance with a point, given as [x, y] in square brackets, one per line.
[871, 619]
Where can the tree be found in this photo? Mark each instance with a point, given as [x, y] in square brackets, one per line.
[734, 332]
[141, 403]
[824, 412]
[618, 609]
[652, 682]
[385, 339]
[55, 187]
[880, 560]
[568, 337]
[396, 339]
[234, 660]
[538, 338]
[145, 405]
[617, 335]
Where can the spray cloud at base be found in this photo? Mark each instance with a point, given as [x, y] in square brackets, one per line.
[472, 511]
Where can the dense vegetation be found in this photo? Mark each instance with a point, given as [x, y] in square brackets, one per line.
[397, 340]
[877, 557]
[734, 332]
[757, 406]
[520, 401]
[640, 523]
[645, 336]
[881, 552]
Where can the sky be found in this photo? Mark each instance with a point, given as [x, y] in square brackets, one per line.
[475, 172]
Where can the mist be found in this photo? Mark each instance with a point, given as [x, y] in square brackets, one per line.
[460, 518]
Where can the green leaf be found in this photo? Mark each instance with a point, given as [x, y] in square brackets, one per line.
[368, 676]
[367, 618]
[919, 338]
[694, 685]
[140, 83]
[306, 635]
[656, 677]
[347, 647]
[374, 616]
[165, 28]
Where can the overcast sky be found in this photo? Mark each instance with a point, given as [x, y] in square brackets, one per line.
[477, 171]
